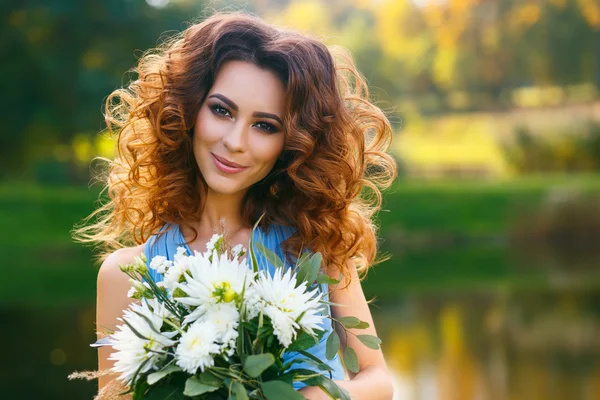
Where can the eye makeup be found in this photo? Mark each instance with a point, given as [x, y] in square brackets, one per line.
[221, 110]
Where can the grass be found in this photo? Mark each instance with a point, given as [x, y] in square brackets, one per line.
[50, 269]
[470, 207]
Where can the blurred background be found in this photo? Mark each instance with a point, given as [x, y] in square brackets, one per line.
[493, 288]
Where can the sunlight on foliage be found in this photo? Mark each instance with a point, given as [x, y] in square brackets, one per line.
[311, 16]
[591, 11]
[401, 34]
[453, 142]
[83, 149]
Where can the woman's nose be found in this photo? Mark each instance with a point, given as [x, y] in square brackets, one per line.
[235, 139]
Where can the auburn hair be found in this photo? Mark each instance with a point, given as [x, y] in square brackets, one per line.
[327, 183]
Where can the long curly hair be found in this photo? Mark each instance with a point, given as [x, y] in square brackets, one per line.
[327, 182]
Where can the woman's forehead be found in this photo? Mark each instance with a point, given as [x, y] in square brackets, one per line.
[250, 87]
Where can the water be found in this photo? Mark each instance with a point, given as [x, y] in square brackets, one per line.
[495, 345]
[41, 346]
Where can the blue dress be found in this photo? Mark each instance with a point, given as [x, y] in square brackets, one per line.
[167, 244]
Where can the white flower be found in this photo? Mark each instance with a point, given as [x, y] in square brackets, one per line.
[237, 250]
[284, 327]
[253, 303]
[197, 348]
[160, 264]
[292, 308]
[139, 289]
[209, 283]
[181, 253]
[210, 246]
[133, 350]
[176, 271]
[225, 318]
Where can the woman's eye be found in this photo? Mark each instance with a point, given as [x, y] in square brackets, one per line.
[219, 110]
[265, 126]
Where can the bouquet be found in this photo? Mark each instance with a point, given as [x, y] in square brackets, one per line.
[217, 328]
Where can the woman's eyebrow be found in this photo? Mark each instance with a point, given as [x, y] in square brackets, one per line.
[225, 100]
[257, 114]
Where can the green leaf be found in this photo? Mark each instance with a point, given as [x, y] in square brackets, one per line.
[194, 387]
[304, 257]
[362, 325]
[304, 341]
[351, 360]
[270, 255]
[330, 387]
[251, 249]
[370, 341]
[298, 375]
[209, 379]
[332, 345]
[157, 376]
[139, 390]
[277, 390]
[349, 322]
[322, 278]
[165, 392]
[310, 270]
[318, 365]
[238, 391]
[256, 364]
[316, 362]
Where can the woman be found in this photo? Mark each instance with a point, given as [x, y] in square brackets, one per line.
[233, 119]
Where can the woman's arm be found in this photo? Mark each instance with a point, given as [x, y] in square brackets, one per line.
[111, 300]
[373, 381]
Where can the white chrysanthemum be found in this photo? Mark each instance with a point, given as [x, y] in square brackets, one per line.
[210, 283]
[225, 318]
[297, 307]
[176, 271]
[131, 350]
[197, 348]
[253, 302]
[284, 327]
[160, 264]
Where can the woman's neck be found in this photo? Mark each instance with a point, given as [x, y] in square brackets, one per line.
[222, 213]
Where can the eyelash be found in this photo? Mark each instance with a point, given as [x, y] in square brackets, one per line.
[221, 111]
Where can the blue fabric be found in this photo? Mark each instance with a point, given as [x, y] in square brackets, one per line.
[167, 244]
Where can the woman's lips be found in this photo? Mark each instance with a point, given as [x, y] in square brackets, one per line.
[220, 164]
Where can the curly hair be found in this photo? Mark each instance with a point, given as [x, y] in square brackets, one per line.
[327, 183]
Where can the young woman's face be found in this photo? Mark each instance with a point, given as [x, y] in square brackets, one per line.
[239, 123]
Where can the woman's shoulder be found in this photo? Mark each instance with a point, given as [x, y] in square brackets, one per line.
[110, 270]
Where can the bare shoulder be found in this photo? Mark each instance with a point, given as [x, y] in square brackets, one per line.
[113, 285]
[112, 299]
[110, 270]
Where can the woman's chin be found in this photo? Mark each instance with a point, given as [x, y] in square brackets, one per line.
[223, 186]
